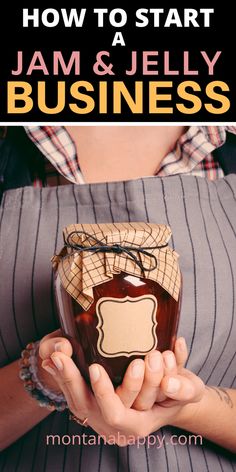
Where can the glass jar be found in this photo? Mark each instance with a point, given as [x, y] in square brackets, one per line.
[82, 327]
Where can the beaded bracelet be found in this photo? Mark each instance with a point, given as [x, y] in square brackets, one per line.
[29, 374]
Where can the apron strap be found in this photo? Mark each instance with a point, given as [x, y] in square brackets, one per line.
[19, 158]
[226, 154]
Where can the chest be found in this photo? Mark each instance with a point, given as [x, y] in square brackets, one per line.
[122, 152]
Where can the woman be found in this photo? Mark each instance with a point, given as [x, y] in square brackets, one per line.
[159, 389]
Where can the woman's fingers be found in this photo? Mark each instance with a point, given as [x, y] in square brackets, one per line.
[49, 344]
[112, 409]
[184, 388]
[132, 382]
[170, 365]
[157, 366]
[72, 384]
[181, 352]
[154, 370]
[104, 410]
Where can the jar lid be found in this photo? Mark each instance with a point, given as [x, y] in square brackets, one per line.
[94, 253]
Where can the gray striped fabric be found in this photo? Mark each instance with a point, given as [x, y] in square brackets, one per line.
[203, 220]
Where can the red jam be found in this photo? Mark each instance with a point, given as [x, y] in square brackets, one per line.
[88, 332]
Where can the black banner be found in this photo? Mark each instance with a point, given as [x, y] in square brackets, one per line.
[152, 62]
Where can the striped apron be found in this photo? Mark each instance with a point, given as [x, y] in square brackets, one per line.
[202, 216]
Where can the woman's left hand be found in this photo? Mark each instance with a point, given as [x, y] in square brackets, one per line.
[166, 383]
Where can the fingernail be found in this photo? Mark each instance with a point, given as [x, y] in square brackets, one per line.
[154, 361]
[57, 362]
[49, 369]
[169, 361]
[94, 372]
[182, 344]
[58, 347]
[137, 369]
[173, 385]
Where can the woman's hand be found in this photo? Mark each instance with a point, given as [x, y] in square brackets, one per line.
[108, 411]
[167, 382]
[103, 407]
[46, 348]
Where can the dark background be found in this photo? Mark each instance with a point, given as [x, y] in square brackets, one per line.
[91, 39]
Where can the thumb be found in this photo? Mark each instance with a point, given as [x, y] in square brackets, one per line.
[57, 344]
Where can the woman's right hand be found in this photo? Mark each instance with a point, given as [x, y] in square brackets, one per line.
[48, 345]
[107, 414]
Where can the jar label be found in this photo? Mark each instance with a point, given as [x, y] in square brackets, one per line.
[126, 326]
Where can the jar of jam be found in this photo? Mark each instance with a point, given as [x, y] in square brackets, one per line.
[118, 290]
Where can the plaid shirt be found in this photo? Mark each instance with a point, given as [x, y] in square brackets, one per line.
[191, 155]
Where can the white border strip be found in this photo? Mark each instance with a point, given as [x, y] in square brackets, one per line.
[114, 123]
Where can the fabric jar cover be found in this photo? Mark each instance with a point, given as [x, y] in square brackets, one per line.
[80, 269]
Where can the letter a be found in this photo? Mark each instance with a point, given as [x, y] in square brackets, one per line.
[118, 39]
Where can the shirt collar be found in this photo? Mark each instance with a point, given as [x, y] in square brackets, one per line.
[192, 147]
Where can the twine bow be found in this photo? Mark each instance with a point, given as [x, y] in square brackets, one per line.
[99, 246]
